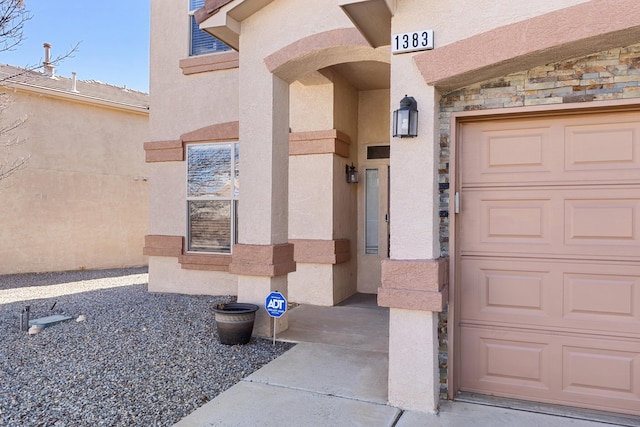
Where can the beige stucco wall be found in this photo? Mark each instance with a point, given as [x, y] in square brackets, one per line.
[322, 205]
[276, 19]
[311, 106]
[181, 104]
[454, 20]
[165, 275]
[82, 200]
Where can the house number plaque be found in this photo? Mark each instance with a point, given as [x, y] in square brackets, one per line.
[412, 42]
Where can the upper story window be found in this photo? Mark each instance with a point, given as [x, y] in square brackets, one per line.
[213, 190]
[202, 42]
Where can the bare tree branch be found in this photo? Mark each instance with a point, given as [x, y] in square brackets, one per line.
[10, 164]
[13, 16]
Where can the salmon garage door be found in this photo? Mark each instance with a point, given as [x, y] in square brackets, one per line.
[549, 259]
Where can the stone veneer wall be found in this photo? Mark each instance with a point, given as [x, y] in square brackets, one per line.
[607, 75]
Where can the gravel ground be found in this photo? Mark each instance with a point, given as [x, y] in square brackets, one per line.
[140, 358]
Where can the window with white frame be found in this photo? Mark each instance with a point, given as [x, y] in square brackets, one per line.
[213, 191]
[202, 42]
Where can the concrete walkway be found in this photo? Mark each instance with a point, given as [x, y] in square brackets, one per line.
[337, 376]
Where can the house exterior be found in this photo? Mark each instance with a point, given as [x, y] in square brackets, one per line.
[503, 236]
[81, 199]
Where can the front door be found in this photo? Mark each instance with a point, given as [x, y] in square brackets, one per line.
[373, 219]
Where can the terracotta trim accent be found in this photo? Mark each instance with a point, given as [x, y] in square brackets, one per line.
[415, 284]
[173, 151]
[159, 245]
[229, 131]
[346, 45]
[306, 45]
[330, 141]
[173, 246]
[207, 63]
[210, 8]
[262, 260]
[321, 251]
[566, 33]
[413, 300]
[209, 262]
[163, 151]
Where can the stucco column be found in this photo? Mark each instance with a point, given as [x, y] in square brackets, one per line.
[413, 277]
[263, 256]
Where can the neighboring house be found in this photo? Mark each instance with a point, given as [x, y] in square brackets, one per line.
[81, 201]
[504, 237]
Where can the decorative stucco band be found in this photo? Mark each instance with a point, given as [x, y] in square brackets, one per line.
[321, 251]
[414, 284]
[209, 262]
[173, 151]
[173, 246]
[163, 151]
[229, 131]
[262, 260]
[569, 32]
[319, 142]
[157, 245]
[206, 63]
[211, 7]
[338, 46]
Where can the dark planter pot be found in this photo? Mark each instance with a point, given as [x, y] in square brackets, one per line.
[235, 322]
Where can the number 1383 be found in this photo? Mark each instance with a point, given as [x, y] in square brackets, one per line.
[410, 42]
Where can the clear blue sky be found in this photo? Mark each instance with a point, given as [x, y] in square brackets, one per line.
[113, 36]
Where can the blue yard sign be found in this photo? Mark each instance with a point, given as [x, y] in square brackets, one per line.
[275, 304]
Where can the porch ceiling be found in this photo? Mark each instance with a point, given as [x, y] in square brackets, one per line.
[366, 75]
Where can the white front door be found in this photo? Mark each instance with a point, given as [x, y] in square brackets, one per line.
[373, 218]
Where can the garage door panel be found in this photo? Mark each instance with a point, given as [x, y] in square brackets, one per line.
[501, 152]
[499, 291]
[555, 151]
[603, 298]
[602, 147]
[571, 297]
[599, 371]
[605, 221]
[502, 362]
[605, 374]
[598, 222]
[506, 218]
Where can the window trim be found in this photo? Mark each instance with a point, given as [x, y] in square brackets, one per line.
[190, 25]
[234, 197]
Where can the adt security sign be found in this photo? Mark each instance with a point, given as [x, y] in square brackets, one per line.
[275, 304]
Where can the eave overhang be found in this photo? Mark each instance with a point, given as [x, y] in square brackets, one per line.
[76, 97]
[221, 18]
[372, 18]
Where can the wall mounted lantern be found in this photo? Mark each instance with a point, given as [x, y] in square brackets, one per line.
[405, 118]
[352, 174]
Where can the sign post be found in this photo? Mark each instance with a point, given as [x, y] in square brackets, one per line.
[276, 306]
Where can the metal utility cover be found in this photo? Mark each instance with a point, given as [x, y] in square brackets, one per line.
[44, 322]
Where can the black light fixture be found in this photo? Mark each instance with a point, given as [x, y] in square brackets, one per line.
[405, 118]
[352, 174]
